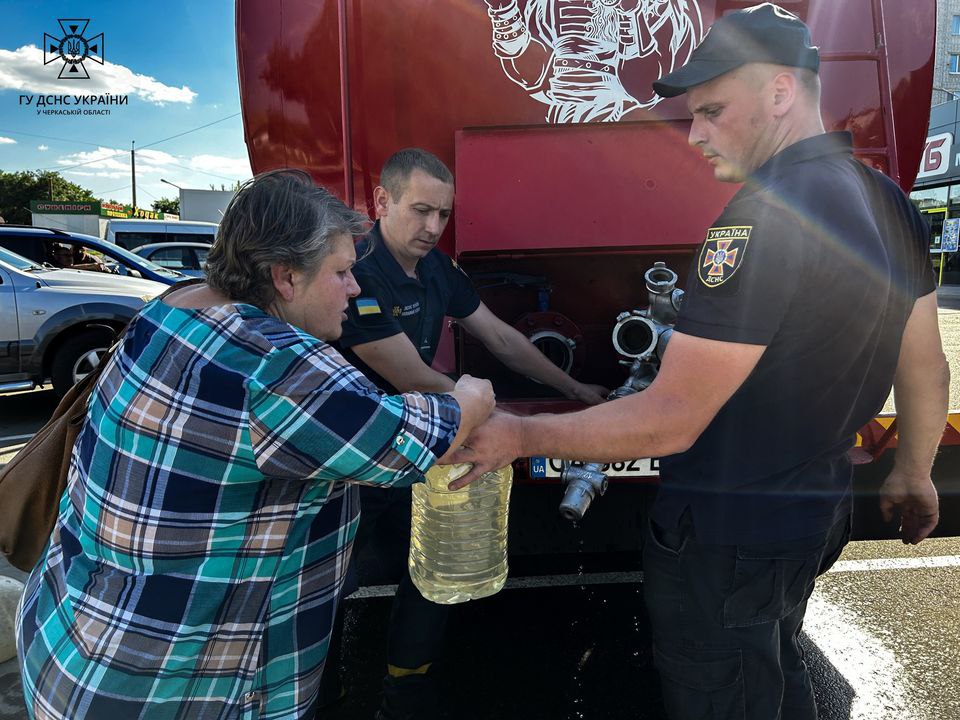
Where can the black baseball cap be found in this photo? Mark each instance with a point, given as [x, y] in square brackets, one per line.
[760, 34]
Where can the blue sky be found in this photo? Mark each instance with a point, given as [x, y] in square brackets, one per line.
[176, 61]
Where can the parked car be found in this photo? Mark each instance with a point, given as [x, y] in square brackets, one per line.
[131, 234]
[64, 249]
[56, 324]
[184, 257]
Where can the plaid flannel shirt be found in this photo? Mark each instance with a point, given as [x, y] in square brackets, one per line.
[201, 544]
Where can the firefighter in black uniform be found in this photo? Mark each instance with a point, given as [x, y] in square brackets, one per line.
[407, 287]
[810, 295]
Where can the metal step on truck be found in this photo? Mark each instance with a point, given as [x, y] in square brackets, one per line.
[579, 203]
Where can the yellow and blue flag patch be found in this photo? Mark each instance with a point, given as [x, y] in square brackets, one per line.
[367, 306]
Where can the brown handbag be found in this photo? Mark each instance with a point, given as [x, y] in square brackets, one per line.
[32, 483]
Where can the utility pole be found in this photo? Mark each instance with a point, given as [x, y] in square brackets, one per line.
[133, 173]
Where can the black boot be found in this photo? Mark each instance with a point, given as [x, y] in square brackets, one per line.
[332, 689]
[410, 697]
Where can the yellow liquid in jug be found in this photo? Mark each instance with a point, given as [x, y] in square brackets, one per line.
[458, 540]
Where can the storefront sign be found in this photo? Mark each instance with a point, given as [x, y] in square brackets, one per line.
[47, 207]
[103, 209]
[937, 160]
[114, 210]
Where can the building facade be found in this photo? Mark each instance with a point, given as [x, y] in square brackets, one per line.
[946, 75]
[936, 191]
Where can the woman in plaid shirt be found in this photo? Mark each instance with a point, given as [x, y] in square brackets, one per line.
[200, 547]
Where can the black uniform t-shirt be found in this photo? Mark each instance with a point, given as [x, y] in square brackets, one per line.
[820, 259]
[391, 302]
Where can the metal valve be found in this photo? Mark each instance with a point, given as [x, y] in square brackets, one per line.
[584, 482]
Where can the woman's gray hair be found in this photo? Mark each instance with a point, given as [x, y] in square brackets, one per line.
[278, 218]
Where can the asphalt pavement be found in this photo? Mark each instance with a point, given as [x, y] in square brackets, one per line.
[881, 639]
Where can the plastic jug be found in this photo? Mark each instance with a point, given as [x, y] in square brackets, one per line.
[458, 539]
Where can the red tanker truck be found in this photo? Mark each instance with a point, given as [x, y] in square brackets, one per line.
[573, 180]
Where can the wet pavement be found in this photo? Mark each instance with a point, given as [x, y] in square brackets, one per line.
[881, 639]
[882, 642]
[894, 633]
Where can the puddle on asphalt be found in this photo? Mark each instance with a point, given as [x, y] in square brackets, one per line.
[598, 636]
[870, 672]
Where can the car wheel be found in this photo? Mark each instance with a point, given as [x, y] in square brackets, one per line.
[78, 357]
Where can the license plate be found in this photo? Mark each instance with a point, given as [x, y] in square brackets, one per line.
[541, 467]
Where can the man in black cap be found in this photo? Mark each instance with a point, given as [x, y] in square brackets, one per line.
[810, 296]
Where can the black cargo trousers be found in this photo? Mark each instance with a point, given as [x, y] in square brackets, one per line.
[417, 625]
[727, 618]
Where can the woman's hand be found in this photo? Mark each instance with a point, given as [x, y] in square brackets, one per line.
[476, 399]
[476, 391]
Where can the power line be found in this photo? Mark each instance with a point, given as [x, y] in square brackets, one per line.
[187, 132]
[61, 168]
[143, 147]
[203, 172]
[122, 187]
[57, 139]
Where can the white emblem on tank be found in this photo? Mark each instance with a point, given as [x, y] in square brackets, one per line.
[575, 55]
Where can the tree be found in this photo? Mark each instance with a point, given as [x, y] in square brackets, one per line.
[167, 205]
[236, 186]
[17, 189]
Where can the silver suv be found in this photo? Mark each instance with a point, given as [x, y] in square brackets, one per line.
[55, 324]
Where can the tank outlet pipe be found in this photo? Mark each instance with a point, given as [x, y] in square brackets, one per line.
[584, 483]
[635, 335]
[642, 374]
[557, 347]
[665, 298]
[642, 335]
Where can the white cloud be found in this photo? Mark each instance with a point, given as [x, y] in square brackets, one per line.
[109, 158]
[23, 69]
[197, 171]
[7, 141]
[43, 148]
[105, 174]
[238, 168]
[102, 158]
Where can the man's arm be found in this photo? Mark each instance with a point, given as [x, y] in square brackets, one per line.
[514, 349]
[398, 362]
[696, 379]
[921, 390]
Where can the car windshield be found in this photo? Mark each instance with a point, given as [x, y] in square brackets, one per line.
[131, 259]
[19, 262]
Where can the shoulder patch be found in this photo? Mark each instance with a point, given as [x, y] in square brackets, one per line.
[722, 253]
[367, 306]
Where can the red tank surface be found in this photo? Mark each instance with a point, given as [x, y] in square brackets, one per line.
[415, 72]
[572, 177]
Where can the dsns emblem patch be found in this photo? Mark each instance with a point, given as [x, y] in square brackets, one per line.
[722, 253]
